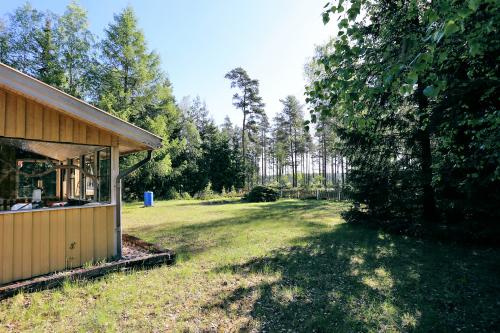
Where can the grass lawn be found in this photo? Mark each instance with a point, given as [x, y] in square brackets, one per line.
[285, 266]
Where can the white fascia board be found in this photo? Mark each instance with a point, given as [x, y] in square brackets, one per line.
[43, 93]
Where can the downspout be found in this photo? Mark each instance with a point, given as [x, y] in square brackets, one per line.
[121, 175]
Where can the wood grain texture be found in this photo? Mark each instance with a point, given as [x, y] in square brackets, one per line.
[10, 115]
[33, 243]
[17, 256]
[87, 236]
[8, 249]
[100, 236]
[22, 117]
[73, 233]
[3, 101]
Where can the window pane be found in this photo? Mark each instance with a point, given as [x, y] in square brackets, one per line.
[26, 166]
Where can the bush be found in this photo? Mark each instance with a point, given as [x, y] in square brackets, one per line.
[262, 194]
[207, 193]
[172, 194]
[233, 193]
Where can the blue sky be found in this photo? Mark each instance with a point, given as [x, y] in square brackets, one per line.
[199, 41]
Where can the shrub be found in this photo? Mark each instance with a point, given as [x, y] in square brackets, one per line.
[172, 194]
[233, 193]
[207, 193]
[262, 194]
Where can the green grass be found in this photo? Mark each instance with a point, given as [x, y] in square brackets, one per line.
[285, 266]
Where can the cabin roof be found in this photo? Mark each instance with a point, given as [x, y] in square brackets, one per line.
[136, 138]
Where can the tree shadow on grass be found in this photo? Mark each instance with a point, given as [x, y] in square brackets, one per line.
[352, 279]
[213, 202]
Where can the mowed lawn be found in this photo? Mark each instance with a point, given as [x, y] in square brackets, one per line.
[284, 266]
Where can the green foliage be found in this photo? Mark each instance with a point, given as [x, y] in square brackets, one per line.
[122, 76]
[205, 153]
[207, 193]
[410, 90]
[233, 192]
[290, 133]
[49, 69]
[262, 194]
[77, 52]
[251, 105]
[23, 29]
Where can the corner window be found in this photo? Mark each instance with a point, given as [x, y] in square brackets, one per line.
[36, 175]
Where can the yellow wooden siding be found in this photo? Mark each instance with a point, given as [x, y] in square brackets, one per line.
[21, 117]
[24, 118]
[10, 115]
[3, 101]
[38, 242]
[8, 248]
[100, 238]
[57, 240]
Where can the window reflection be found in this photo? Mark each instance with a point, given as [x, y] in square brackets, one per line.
[36, 174]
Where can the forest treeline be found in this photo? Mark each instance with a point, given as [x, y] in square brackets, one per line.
[403, 105]
[121, 75]
[410, 89]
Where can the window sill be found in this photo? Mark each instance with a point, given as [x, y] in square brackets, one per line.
[5, 212]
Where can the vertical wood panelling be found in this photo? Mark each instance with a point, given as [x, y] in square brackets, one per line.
[38, 131]
[92, 135]
[24, 118]
[27, 244]
[57, 240]
[50, 125]
[66, 129]
[73, 238]
[80, 132]
[55, 125]
[44, 221]
[2, 112]
[21, 117]
[87, 235]
[36, 244]
[104, 138]
[30, 120]
[46, 124]
[10, 115]
[100, 236]
[18, 247]
[8, 249]
[39, 242]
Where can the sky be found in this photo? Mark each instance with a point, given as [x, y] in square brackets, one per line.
[199, 41]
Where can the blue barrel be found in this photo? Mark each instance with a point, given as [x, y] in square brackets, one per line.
[148, 199]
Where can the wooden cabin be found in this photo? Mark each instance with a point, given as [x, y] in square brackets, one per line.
[60, 198]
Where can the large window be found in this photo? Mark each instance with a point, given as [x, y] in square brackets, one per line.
[36, 174]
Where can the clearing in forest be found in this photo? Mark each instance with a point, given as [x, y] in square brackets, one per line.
[290, 265]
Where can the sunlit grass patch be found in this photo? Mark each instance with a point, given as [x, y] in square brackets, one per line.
[284, 266]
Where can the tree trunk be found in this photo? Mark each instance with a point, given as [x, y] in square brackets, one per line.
[324, 159]
[243, 148]
[342, 170]
[424, 140]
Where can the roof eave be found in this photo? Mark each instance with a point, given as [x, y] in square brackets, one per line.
[17, 81]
